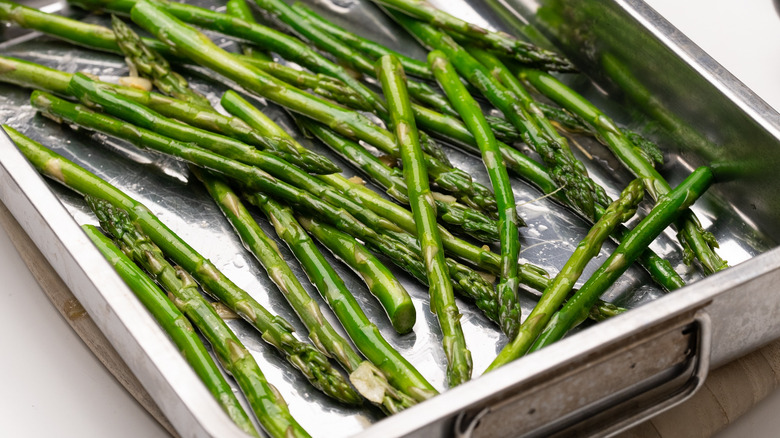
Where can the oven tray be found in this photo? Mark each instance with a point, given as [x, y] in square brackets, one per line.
[737, 212]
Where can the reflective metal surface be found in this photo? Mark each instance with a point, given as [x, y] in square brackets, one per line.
[692, 100]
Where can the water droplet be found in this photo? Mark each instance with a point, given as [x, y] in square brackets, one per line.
[542, 228]
[238, 262]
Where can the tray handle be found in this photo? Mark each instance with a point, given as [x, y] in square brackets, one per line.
[615, 387]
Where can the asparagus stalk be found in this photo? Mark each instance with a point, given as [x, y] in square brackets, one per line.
[618, 212]
[404, 253]
[94, 93]
[565, 169]
[471, 113]
[286, 46]
[306, 27]
[379, 280]
[151, 65]
[502, 74]
[274, 329]
[326, 86]
[364, 45]
[466, 281]
[500, 42]
[176, 326]
[691, 235]
[196, 46]
[323, 85]
[268, 405]
[669, 207]
[472, 222]
[31, 75]
[365, 335]
[391, 76]
[267, 253]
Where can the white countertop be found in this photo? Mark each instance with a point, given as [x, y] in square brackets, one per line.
[54, 386]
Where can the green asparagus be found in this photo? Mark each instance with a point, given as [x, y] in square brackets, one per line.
[323, 335]
[379, 280]
[691, 235]
[268, 405]
[554, 295]
[391, 76]
[669, 206]
[368, 47]
[149, 64]
[500, 42]
[175, 325]
[365, 335]
[471, 113]
[566, 170]
[274, 329]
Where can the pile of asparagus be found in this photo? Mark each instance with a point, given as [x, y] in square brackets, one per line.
[241, 155]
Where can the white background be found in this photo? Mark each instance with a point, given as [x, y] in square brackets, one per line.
[53, 386]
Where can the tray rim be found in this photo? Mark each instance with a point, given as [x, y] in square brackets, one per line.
[39, 212]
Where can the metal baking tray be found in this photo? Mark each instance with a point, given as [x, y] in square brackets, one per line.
[596, 382]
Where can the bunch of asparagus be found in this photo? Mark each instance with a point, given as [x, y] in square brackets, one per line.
[245, 155]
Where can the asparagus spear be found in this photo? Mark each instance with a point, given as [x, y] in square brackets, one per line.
[267, 253]
[618, 212]
[196, 46]
[565, 169]
[176, 326]
[466, 281]
[500, 42]
[391, 76]
[365, 335]
[690, 232]
[268, 405]
[471, 221]
[471, 113]
[151, 65]
[101, 38]
[502, 74]
[364, 45]
[94, 93]
[274, 329]
[659, 268]
[306, 27]
[288, 47]
[404, 253]
[326, 86]
[667, 209]
[32, 75]
[379, 280]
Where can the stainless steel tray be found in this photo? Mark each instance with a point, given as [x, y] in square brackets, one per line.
[597, 381]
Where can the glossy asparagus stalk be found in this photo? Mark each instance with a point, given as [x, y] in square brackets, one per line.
[471, 113]
[175, 325]
[269, 406]
[391, 76]
[668, 208]
[364, 334]
[554, 295]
